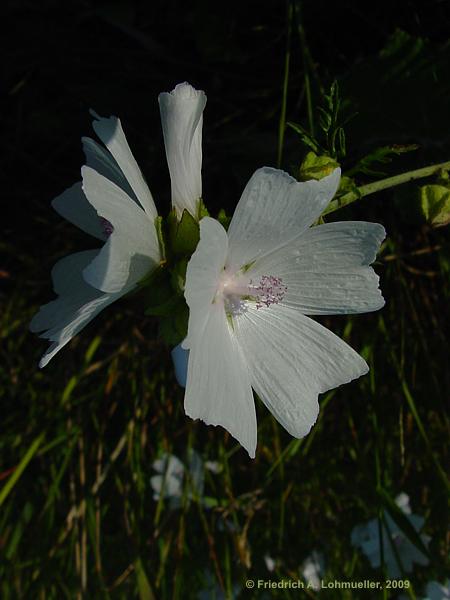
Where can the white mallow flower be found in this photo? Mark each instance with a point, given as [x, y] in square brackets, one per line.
[113, 204]
[172, 476]
[249, 292]
[312, 569]
[182, 122]
[367, 538]
[437, 591]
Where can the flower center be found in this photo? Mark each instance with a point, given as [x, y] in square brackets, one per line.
[237, 291]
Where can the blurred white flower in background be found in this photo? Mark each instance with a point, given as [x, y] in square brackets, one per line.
[173, 477]
[248, 291]
[437, 591]
[366, 537]
[312, 569]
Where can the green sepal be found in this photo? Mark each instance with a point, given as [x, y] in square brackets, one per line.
[223, 219]
[161, 237]
[202, 210]
[184, 234]
[178, 276]
[316, 167]
[435, 204]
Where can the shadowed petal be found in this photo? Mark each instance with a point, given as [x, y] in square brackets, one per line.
[77, 303]
[74, 207]
[111, 133]
[291, 359]
[132, 250]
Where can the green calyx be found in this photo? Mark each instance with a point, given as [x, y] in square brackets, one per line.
[316, 167]
[178, 239]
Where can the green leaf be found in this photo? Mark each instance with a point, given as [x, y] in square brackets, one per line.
[144, 587]
[16, 474]
[435, 204]
[384, 154]
[316, 167]
[164, 309]
[306, 138]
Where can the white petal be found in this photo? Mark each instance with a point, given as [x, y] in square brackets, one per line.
[78, 303]
[218, 388]
[273, 210]
[202, 275]
[182, 122]
[326, 269]
[180, 358]
[111, 133]
[102, 161]
[132, 250]
[291, 359]
[73, 206]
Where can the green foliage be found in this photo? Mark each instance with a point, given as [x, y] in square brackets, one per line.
[435, 203]
[385, 154]
[316, 167]
[332, 141]
[184, 233]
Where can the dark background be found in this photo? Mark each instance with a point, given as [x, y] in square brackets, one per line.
[62, 58]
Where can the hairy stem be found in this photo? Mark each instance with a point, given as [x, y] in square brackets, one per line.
[384, 184]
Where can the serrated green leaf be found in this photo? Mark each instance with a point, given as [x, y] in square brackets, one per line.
[306, 138]
[381, 155]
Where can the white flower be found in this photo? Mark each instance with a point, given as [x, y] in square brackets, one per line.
[114, 204]
[367, 538]
[249, 291]
[270, 563]
[437, 591]
[182, 122]
[312, 569]
[173, 476]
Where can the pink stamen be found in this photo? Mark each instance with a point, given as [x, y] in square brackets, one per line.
[237, 291]
[271, 290]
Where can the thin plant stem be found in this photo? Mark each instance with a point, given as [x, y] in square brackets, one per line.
[287, 60]
[305, 56]
[384, 184]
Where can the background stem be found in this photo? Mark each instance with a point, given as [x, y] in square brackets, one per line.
[384, 184]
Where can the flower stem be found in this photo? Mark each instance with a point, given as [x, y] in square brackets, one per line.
[384, 184]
